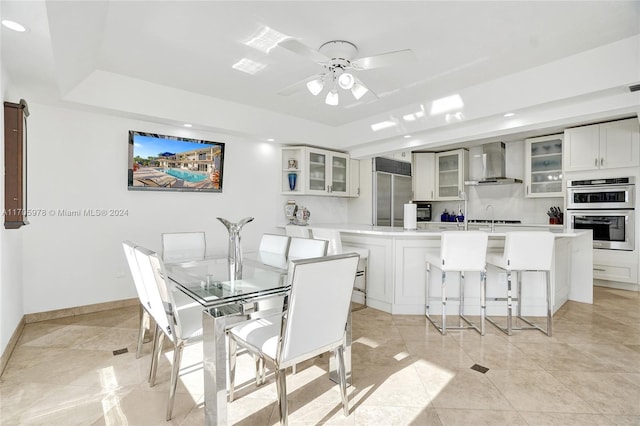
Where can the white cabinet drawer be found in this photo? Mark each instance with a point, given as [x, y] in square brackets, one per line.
[627, 273]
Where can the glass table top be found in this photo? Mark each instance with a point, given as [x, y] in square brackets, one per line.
[210, 283]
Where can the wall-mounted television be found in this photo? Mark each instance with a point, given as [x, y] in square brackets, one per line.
[172, 163]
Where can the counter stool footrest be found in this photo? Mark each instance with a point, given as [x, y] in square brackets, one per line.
[471, 325]
[505, 330]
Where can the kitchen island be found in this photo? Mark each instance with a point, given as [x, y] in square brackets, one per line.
[396, 270]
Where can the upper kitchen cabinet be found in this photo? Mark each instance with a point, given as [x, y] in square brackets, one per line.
[543, 167]
[452, 170]
[354, 178]
[424, 176]
[609, 145]
[312, 171]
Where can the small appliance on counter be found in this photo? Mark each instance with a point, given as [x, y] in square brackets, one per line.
[290, 210]
[302, 216]
[423, 211]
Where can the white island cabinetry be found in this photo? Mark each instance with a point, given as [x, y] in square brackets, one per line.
[396, 276]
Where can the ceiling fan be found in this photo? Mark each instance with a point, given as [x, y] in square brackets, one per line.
[338, 60]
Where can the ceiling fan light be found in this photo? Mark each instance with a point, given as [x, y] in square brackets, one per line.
[332, 98]
[358, 90]
[315, 86]
[346, 80]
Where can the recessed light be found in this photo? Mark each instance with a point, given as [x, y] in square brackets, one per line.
[446, 104]
[266, 39]
[509, 114]
[270, 140]
[407, 136]
[187, 125]
[13, 26]
[382, 125]
[248, 66]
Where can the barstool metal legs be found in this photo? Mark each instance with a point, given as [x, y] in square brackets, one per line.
[518, 298]
[442, 327]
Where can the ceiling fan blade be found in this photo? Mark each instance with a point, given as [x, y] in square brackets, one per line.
[296, 46]
[298, 86]
[399, 57]
[368, 88]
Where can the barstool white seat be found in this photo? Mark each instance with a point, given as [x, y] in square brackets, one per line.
[530, 251]
[336, 247]
[460, 251]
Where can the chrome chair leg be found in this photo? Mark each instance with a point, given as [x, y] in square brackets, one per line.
[343, 379]
[175, 371]
[281, 386]
[233, 347]
[158, 342]
[144, 324]
[509, 305]
[549, 313]
[443, 296]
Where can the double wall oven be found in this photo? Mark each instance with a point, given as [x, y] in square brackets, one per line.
[607, 207]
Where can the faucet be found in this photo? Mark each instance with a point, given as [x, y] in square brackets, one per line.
[493, 225]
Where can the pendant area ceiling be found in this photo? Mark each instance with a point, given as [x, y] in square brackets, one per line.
[192, 46]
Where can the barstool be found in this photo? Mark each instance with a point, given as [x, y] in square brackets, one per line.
[524, 252]
[460, 251]
[336, 247]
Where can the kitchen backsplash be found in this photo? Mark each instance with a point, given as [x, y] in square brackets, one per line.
[508, 201]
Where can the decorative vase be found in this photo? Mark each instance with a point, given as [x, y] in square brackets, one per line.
[235, 250]
[292, 180]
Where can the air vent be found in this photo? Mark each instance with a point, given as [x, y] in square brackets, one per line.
[634, 87]
[388, 165]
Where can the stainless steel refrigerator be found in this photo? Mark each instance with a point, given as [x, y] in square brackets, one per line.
[392, 190]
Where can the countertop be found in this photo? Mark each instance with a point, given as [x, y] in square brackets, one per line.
[557, 230]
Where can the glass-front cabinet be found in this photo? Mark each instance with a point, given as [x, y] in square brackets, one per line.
[314, 171]
[543, 167]
[451, 172]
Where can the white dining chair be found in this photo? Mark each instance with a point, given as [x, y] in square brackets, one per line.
[317, 306]
[145, 307]
[181, 324]
[183, 246]
[304, 248]
[299, 231]
[524, 251]
[273, 250]
[336, 247]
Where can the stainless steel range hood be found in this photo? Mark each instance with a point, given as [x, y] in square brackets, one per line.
[493, 167]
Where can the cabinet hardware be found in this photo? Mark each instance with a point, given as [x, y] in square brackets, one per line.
[595, 162]
[601, 161]
[599, 269]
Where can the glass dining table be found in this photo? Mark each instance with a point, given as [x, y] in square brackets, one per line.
[228, 299]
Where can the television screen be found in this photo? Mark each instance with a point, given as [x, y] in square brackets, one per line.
[172, 163]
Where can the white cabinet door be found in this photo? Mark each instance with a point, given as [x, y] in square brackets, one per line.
[543, 167]
[451, 172]
[581, 148]
[619, 144]
[602, 146]
[424, 176]
[338, 172]
[317, 177]
[354, 178]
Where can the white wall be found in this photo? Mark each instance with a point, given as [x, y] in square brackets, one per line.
[11, 295]
[78, 160]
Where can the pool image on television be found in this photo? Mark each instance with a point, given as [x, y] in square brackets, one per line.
[161, 162]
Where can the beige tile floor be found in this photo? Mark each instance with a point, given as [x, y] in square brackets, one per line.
[63, 372]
